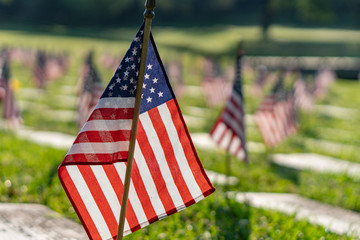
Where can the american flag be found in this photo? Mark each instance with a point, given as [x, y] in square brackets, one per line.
[229, 130]
[323, 79]
[261, 78]
[40, 76]
[276, 117]
[215, 86]
[91, 90]
[167, 175]
[303, 97]
[11, 113]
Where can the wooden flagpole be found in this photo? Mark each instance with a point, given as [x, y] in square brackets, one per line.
[149, 15]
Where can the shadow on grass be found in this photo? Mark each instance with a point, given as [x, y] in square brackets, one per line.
[286, 172]
[232, 219]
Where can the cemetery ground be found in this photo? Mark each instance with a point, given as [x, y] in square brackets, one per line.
[28, 171]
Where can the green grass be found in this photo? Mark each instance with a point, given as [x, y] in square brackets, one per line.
[217, 40]
[30, 175]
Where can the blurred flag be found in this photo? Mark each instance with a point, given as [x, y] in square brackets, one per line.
[229, 129]
[91, 90]
[167, 175]
[40, 69]
[215, 87]
[276, 117]
[261, 77]
[175, 73]
[324, 78]
[303, 97]
[11, 113]
[56, 65]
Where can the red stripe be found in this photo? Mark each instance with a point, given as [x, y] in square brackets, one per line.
[95, 158]
[78, 204]
[103, 136]
[234, 121]
[189, 150]
[239, 149]
[238, 105]
[154, 169]
[233, 115]
[216, 125]
[280, 117]
[111, 114]
[274, 128]
[263, 120]
[99, 198]
[167, 147]
[143, 194]
[118, 187]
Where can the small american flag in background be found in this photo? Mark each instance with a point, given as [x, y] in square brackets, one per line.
[229, 130]
[167, 175]
[303, 97]
[11, 113]
[91, 90]
[215, 86]
[40, 76]
[276, 117]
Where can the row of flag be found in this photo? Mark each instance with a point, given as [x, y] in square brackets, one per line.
[167, 175]
[46, 66]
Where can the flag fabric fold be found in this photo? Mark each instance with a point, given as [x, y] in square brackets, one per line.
[167, 175]
[229, 129]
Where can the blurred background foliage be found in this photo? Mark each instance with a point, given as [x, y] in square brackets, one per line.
[188, 12]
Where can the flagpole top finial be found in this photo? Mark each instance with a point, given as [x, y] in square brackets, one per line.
[150, 6]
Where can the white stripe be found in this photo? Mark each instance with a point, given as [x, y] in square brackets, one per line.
[274, 133]
[109, 192]
[90, 147]
[160, 158]
[179, 152]
[133, 197]
[89, 201]
[281, 118]
[218, 132]
[107, 125]
[226, 139]
[269, 128]
[116, 102]
[264, 127]
[235, 143]
[241, 154]
[148, 182]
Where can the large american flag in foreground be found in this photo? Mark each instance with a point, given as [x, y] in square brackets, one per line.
[167, 175]
[229, 130]
[276, 117]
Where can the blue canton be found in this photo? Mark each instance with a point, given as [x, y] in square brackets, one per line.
[156, 87]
